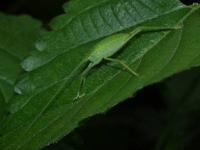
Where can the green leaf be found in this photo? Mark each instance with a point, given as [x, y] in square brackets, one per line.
[71, 12]
[196, 61]
[2, 108]
[188, 50]
[45, 110]
[93, 21]
[182, 96]
[17, 37]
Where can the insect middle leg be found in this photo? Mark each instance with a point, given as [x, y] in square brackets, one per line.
[122, 64]
[80, 93]
[80, 90]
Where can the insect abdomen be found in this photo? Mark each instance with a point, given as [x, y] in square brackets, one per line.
[108, 46]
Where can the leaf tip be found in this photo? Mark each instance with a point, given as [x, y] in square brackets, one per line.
[17, 90]
[40, 46]
[28, 64]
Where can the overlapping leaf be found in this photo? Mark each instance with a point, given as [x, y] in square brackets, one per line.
[17, 37]
[94, 20]
[45, 110]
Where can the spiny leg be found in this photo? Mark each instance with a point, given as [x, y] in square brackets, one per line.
[123, 64]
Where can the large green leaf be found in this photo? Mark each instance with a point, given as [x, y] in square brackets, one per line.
[91, 20]
[45, 110]
[17, 38]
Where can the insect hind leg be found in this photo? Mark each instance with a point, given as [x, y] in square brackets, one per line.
[123, 64]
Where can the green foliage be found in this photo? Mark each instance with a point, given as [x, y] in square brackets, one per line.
[100, 20]
[17, 38]
[44, 110]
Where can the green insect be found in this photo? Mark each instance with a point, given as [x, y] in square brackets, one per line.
[112, 44]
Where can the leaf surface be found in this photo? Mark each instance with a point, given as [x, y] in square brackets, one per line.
[45, 111]
[17, 38]
[93, 21]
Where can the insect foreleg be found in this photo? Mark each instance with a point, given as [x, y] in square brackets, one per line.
[122, 64]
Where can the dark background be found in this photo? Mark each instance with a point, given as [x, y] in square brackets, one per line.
[134, 124]
[41, 9]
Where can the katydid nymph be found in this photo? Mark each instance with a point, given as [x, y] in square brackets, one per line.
[110, 45]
